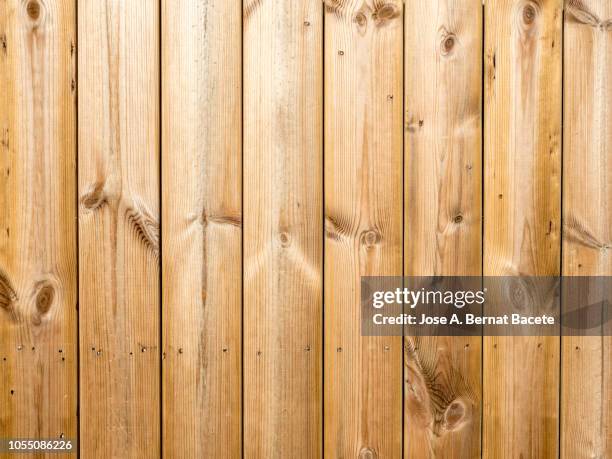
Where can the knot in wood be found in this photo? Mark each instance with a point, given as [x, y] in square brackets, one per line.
[95, 197]
[8, 295]
[529, 13]
[33, 10]
[367, 453]
[448, 44]
[285, 239]
[454, 415]
[44, 299]
[360, 19]
[370, 238]
[385, 13]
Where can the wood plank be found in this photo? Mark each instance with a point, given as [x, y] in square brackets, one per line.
[363, 222]
[38, 270]
[119, 227]
[586, 379]
[201, 218]
[443, 216]
[522, 216]
[282, 228]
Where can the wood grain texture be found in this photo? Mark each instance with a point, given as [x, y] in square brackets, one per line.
[119, 228]
[201, 218]
[586, 397]
[38, 278]
[522, 216]
[443, 216]
[282, 228]
[363, 222]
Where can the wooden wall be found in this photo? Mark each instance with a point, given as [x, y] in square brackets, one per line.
[190, 191]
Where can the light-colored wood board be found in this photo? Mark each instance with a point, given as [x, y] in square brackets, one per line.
[119, 228]
[586, 396]
[38, 265]
[522, 166]
[283, 224]
[363, 222]
[201, 220]
[443, 216]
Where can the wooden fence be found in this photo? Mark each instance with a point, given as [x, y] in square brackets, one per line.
[190, 191]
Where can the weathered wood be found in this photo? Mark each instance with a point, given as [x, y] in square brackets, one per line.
[38, 278]
[119, 227]
[363, 222]
[443, 209]
[586, 397]
[282, 228]
[201, 220]
[522, 216]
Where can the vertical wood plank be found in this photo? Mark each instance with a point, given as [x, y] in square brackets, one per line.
[443, 128]
[119, 227]
[586, 400]
[522, 216]
[201, 218]
[363, 222]
[282, 228]
[38, 278]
